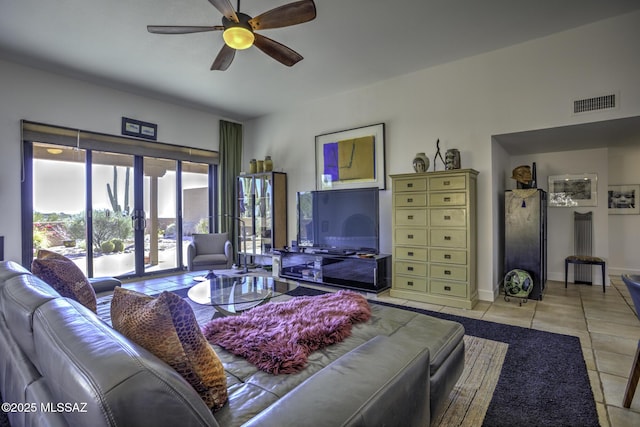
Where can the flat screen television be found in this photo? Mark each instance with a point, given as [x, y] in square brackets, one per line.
[341, 220]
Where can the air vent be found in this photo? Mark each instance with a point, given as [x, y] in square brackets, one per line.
[598, 103]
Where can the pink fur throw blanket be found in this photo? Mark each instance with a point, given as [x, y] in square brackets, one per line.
[278, 337]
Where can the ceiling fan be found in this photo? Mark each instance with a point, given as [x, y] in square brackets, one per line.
[239, 30]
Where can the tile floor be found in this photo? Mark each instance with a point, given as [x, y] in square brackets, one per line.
[605, 323]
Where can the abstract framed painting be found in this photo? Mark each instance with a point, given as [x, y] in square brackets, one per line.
[352, 158]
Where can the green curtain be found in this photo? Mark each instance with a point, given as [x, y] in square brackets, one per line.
[230, 164]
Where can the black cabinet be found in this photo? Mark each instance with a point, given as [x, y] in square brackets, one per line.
[371, 273]
[525, 242]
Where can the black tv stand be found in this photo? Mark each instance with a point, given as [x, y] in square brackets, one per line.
[361, 272]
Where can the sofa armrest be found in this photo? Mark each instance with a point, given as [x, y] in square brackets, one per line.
[191, 253]
[228, 251]
[385, 381]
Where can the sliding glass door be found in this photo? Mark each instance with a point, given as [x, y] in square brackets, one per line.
[59, 202]
[112, 247]
[160, 206]
[134, 225]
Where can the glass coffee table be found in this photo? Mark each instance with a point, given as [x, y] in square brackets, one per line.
[232, 295]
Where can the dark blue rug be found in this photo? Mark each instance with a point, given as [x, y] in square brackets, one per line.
[544, 380]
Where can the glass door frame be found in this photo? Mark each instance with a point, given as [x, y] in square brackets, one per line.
[27, 206]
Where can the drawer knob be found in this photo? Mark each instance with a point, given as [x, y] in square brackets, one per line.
[409, 283]
[446, 183]
[409, 268]
[409, 236]
[447, 199]
[447, 256]
[447, 217]
[409, 253]
[409, 216]
[447, 237]
[409, 185]
[410, 200]
[447, 272]
[447, 288]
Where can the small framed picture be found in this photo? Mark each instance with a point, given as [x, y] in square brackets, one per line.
[131, 127]
[573, 190]
[623, 199]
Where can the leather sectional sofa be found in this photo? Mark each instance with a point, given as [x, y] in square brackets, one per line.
[61, 365]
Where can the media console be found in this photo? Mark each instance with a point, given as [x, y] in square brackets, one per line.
[370, 273]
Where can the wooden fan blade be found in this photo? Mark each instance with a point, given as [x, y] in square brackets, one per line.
[177, 29]
[225, 8]
[283, 16]
[224, 58]
[276, 50]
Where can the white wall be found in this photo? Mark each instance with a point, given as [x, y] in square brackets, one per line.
[524, 87]
[624, 230]
[35, 95]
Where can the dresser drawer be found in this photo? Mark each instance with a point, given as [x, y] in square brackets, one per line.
[449, 272]
[411, 268]
[447, 256]
[410, 184]
[448, 288]
[448, 217]
[415, 217]
[410, 254]
[448, 238]
[458, 182]
[447, 199]
[410, 200]
[411, 283]
[411, 236]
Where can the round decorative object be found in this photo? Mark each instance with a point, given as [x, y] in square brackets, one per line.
[518, 283]
[420, 163]
[253, 166]
[268, 164]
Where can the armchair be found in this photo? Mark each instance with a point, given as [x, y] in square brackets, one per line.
[209, 252]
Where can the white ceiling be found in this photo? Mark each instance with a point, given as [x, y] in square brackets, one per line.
[351, 43]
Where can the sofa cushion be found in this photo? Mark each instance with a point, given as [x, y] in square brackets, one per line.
[65, 277]
[167, 327]
[9, 269]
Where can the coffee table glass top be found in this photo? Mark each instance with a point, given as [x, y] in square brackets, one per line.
[235, 294]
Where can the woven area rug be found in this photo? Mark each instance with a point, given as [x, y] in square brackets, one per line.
[470, 398]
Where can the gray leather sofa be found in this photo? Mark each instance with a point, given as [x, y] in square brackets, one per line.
[61, 365]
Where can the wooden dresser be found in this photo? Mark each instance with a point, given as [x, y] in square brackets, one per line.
[434, 237]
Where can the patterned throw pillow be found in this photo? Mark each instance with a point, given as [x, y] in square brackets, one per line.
[45, 254]
[167, 327]
[65, 277]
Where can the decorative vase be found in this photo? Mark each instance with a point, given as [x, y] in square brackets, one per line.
[268, 164]
[420, 163]
[260, 166]
[253, 166]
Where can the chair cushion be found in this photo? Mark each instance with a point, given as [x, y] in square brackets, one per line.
[205, 260]
[584, 258]
[210, 243]
[65, 277]
[167, 327]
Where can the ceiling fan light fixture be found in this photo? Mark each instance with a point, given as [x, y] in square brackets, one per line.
[238, 37]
